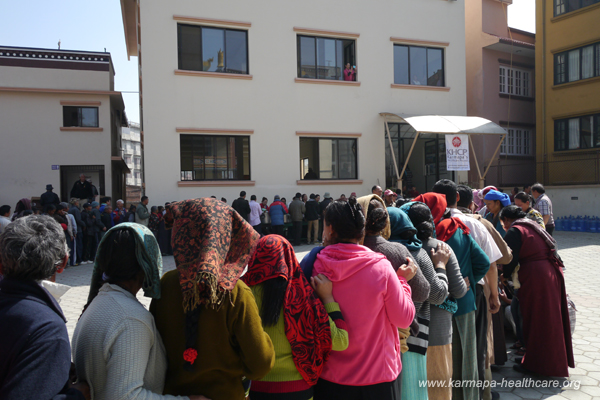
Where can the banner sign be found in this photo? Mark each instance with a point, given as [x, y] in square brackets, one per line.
[457, 153]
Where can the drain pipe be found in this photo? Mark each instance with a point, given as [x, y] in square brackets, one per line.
[545, 160]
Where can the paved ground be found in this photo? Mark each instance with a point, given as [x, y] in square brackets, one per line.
[580, 252]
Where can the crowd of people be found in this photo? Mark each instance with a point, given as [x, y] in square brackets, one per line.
[398, 293]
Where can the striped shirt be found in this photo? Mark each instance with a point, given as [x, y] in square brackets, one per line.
[544, 206]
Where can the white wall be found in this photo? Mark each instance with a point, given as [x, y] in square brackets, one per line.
[273, 105]
[46, 78]
[587, 202]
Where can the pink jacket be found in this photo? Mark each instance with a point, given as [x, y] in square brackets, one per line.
[375, 302]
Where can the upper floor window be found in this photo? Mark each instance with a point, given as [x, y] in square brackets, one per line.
[577, 64]
[515, 81]
[328, 158]
[517, 142]
[325, 58]
[80, 116]
[205, 157]
[565, 6]
[577, 133]
[202, 48]
[128, 160]
[416, 65]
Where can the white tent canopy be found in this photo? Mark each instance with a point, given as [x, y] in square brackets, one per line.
[438, 124]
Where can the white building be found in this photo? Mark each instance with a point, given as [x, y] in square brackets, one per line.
[249, 96]
[132, 155]
[59, 117]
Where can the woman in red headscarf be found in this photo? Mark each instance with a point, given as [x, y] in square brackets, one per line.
[474, 264]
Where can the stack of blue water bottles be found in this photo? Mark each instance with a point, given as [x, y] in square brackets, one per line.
[578, 224]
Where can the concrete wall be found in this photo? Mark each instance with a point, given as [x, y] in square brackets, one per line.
[273, 105]
[64, 79]
[32, 142]
[564, 204]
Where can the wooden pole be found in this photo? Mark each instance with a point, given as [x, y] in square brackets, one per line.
[398, 179]
[494, 156]
[481, 180]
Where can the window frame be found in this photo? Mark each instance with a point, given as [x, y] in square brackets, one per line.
[566, 6]
[515, 143]
[510, 81]
[79, 117]
[566, 73]
[224, 29]
[408, 46]
[182, 173]
[337, 161]
[299, 37]
[562, 144]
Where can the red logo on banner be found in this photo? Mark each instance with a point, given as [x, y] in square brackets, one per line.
[456, 141]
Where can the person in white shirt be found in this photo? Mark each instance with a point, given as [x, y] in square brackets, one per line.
[4, 217]
[255, 212]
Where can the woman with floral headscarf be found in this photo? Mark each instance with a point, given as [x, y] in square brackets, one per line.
[304, 329]
[116, 347]
[206, 315]
[474, 264]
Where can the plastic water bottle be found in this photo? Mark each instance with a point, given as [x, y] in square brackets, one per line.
[592, 224]
[574, 223]
[597, 224]
[558, 224]
[567, 223]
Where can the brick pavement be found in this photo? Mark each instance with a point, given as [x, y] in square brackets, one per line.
[579, 252]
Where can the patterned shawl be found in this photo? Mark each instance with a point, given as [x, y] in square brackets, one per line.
[364, 203]
[147, 254]
[211, 246]
[306, 321]
[444, 229]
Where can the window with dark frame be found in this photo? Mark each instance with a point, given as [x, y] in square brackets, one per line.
[566, 6]
[577, 64]
[328, 158]
[214, 158]
[516, 143]
[210, 49]
[325, 58]
[577, 133]
[417, 65]
[85, 117]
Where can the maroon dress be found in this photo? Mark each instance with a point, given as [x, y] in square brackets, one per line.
[543, 302]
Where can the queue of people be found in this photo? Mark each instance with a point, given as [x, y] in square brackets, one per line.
[393, 297]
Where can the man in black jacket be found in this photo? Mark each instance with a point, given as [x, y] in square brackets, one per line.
[34, 343]
[241, 206]
[322, 206]
[312, 216]
[82, 189]
[49, 198]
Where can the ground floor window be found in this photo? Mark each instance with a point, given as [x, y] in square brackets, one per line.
[517, 142]
[328, 158]
[205, 157]
[577, 133]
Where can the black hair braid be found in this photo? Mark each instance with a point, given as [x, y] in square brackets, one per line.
[191, 333]
[377, 217]
[421, 217]
[347, 219]
[272, 300]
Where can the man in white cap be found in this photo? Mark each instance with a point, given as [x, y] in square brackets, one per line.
[119, 213]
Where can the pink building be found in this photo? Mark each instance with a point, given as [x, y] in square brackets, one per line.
[500, 87]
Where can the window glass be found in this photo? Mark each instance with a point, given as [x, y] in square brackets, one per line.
[236, 56]
[574, 133]
[560, 135]
[574, 4]
[70, 116]
[307, 68]
[586, 132]
[598, 59]
[526, 84]
[559, 7]
[347, 157]
[435, 74]
[573, 65]
[328, 158]
[502, 75]
[189, 48]
[587, 62]
[418, 65]
[89, 116]
[326, 59]
[214, 157]
[526, 142]
[213, 47]
[401, 65]
[596, 130]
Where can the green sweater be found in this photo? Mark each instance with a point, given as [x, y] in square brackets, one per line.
[231, 343]
[284, 369]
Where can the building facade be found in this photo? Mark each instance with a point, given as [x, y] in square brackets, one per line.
[568, 103]
[500, 87]
[249, 96]
[132, 155]
[60, 117]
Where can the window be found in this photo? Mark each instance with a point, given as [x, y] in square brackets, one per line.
[577, 133]
[80, 116]
[324, 58]
[128, 160]
[515, 81]
[214, 157]
[137, 174]
[137, 161]
[415, 65]
[577, 64]
[202, 48]
[565, 6]
[516, 143]
[328, 158]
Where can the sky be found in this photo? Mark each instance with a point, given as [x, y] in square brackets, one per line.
[94, 25]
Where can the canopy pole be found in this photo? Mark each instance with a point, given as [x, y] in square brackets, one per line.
[481, 180]
[494, 156]
[409, 153]
[398, 179]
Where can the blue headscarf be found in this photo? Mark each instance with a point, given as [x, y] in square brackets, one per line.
[400, 223]
[496, 195]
